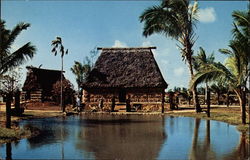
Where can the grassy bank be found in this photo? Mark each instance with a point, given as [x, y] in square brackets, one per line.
[231, 115]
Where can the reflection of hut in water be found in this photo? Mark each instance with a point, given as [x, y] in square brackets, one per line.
[39, 83]
[125, 73]
[122, 137]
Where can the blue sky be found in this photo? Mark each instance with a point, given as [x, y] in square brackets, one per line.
[86, 24]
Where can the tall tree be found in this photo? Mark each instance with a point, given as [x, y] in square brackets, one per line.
[58, 46]
[10, 59]
[176, 19]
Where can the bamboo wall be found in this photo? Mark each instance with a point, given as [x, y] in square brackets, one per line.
[148, 99]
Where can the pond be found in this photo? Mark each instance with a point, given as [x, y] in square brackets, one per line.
[98, 136]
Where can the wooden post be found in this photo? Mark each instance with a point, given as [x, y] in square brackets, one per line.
[128, 108]
[162, 101]
[228, 98]
[113, 104]
[8, 110]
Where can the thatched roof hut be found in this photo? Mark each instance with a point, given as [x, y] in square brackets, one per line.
[125, 73]
[39, 79]
[126, 68]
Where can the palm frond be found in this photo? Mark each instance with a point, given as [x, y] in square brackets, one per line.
[212, 72]
[18, 57]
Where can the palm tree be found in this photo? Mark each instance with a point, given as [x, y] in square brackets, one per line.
[241, 30]
[200, 60]
[9, 59]
[81, 71]
[241, 33]
[234, 73]
[58, 46]
[176, 19]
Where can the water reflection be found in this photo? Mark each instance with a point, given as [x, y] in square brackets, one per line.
[51, 131]
[8, 151]
[202, 150]
[129, 137]
[116, 138]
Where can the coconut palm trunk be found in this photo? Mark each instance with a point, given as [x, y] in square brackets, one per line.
[194, 88]
[61, 101]
[241, 94]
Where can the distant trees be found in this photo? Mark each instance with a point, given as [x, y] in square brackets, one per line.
[175, 19]
[68, 91]
[81, 71]
[9, 59]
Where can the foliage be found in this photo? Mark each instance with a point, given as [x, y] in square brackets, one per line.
[173, 18]
[81, 71]
[9, 59]
[68, 91]
[10, 81]
[58, 46]
[202, 59]
[234, 73]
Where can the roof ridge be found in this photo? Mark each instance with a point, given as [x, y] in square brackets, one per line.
[32, 67]
[124, 48]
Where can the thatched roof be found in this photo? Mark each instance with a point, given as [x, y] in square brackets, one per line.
[125, 68]
[38, 78]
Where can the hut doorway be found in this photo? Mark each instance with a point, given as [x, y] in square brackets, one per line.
[122, 95]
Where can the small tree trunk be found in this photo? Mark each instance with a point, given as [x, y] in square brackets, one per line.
[8, 110]
[208, 102]
[17, 100]
[242, 99]
[243, 107]
[61, 97]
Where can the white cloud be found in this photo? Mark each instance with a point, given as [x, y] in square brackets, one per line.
[178, 72]
[146, 44]
[119, 44]
[164, 62]
[207, 15]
